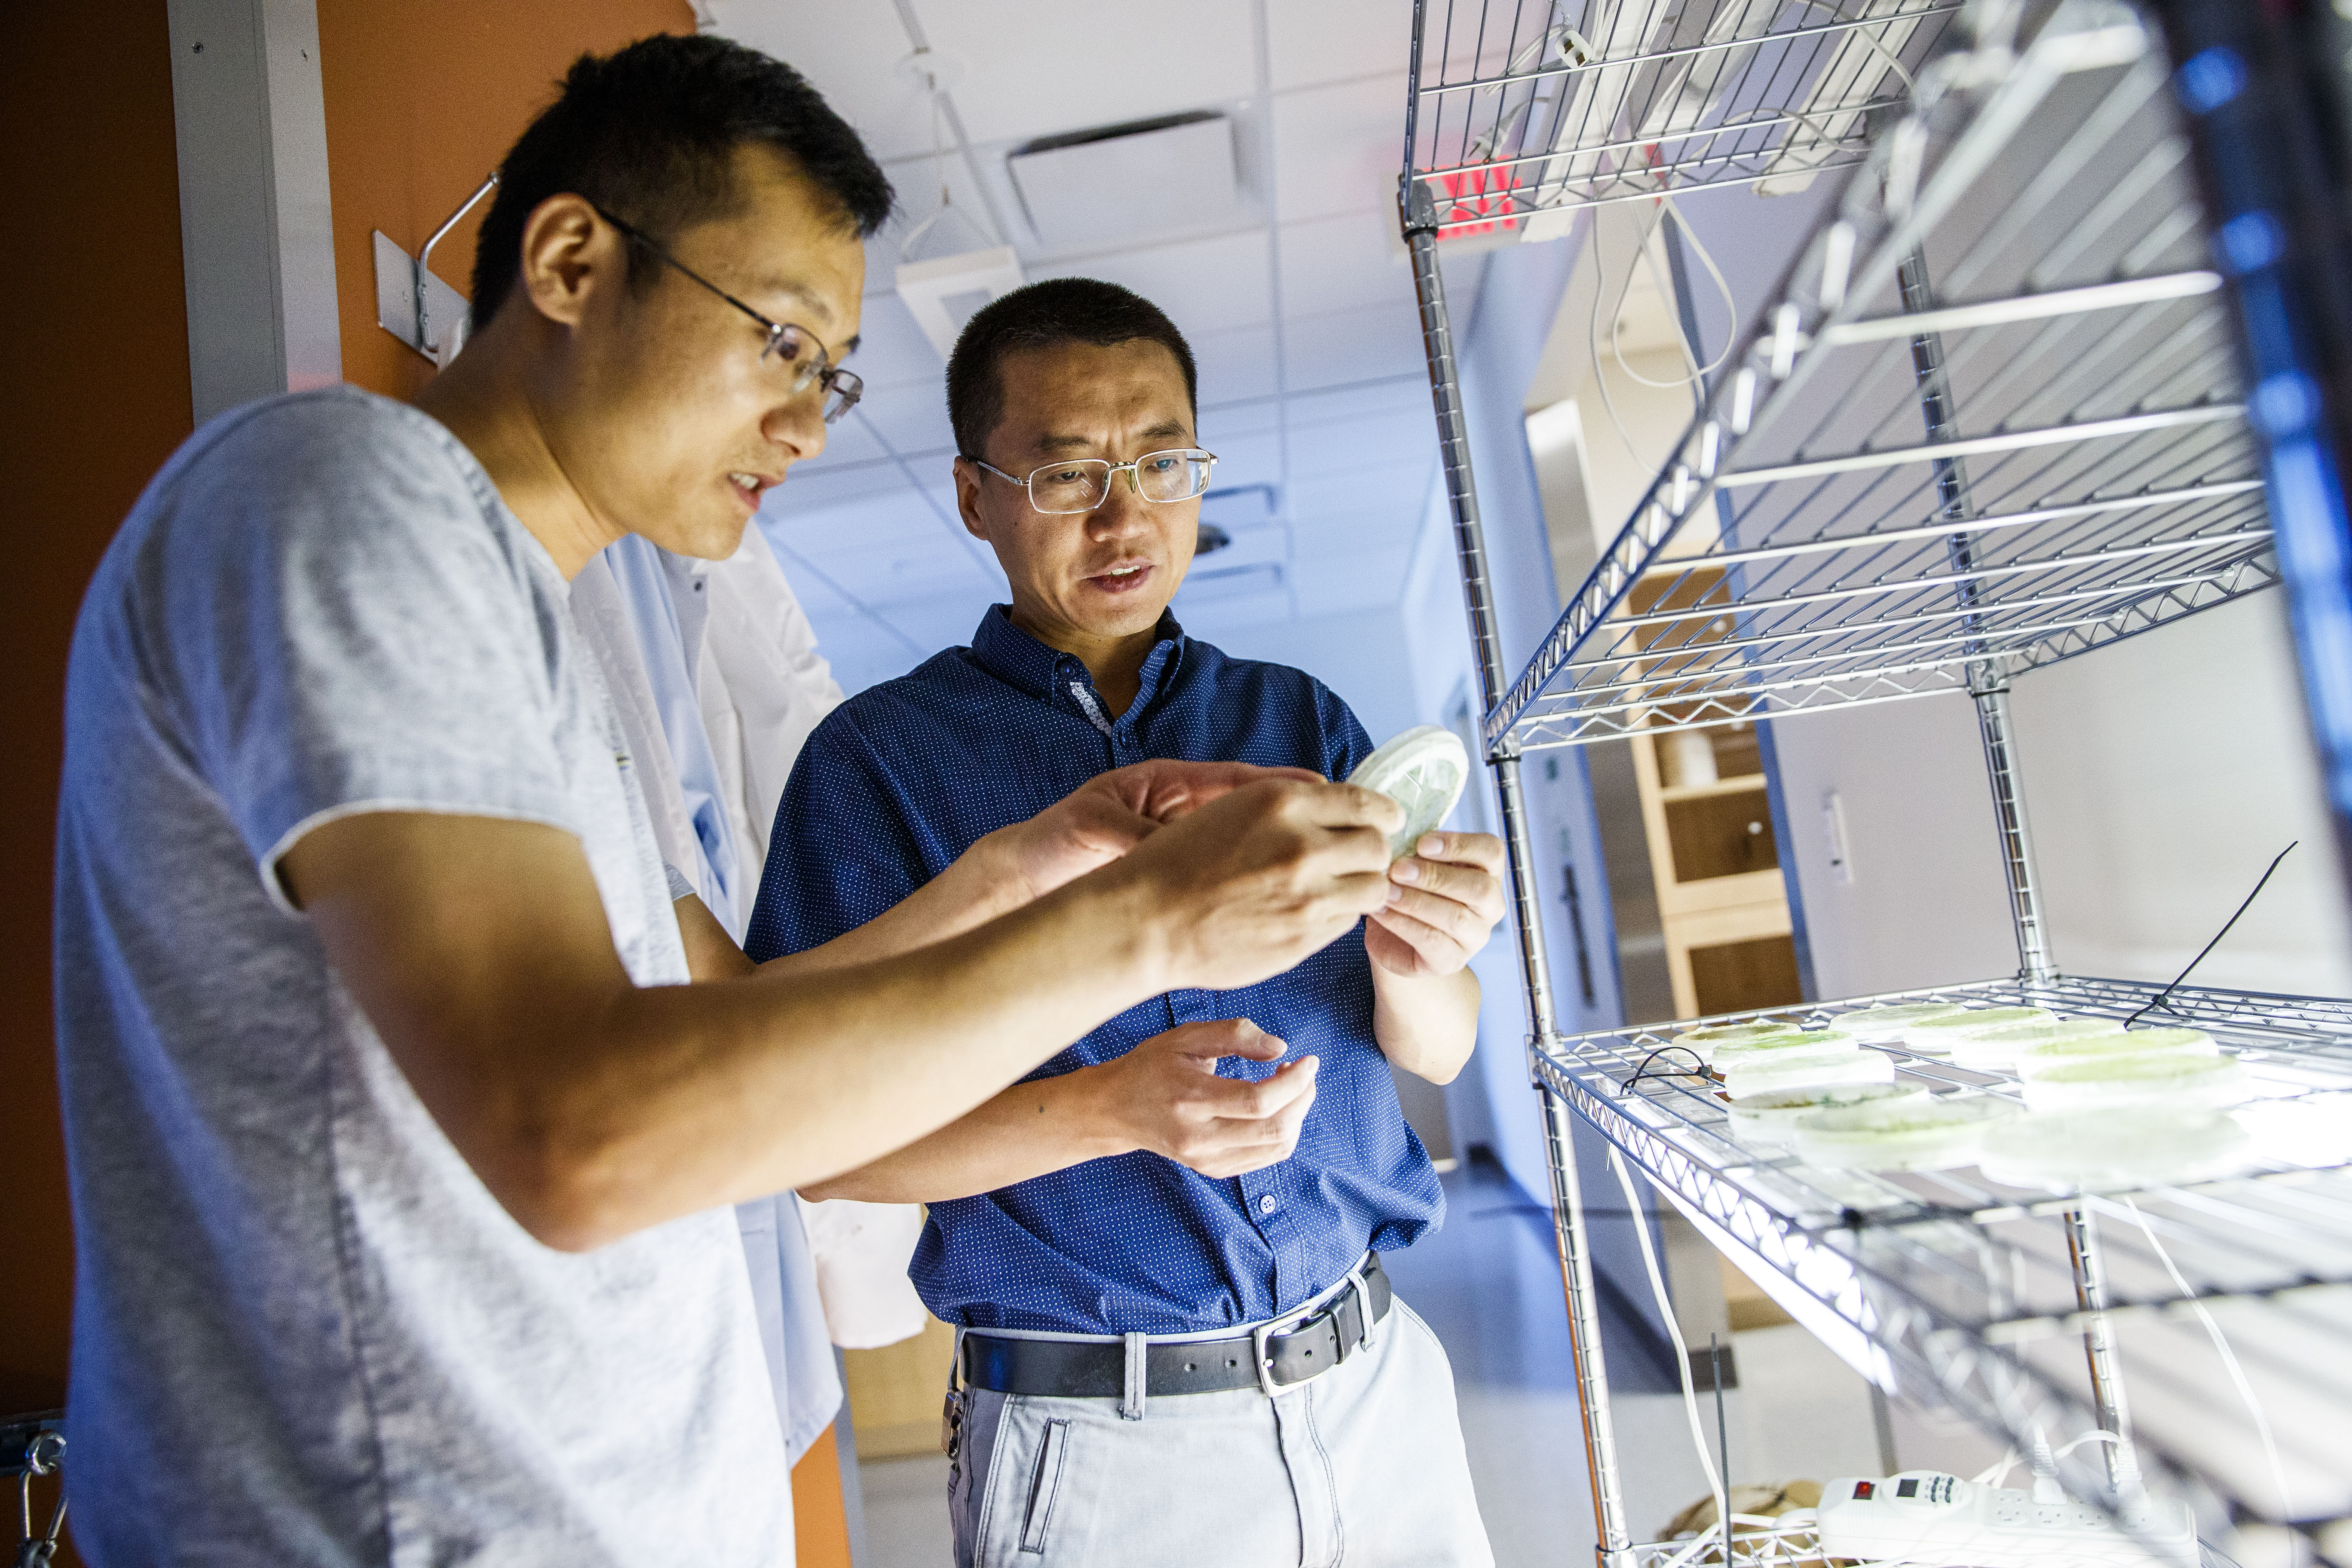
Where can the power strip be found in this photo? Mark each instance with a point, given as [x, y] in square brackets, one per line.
[1939, 1521]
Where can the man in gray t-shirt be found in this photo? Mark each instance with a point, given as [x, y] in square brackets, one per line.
[402, 1102]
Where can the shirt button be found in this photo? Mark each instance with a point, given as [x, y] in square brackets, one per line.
[1268, 1204]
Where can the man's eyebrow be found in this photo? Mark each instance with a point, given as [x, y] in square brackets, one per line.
[1088, 442]
[816, 305]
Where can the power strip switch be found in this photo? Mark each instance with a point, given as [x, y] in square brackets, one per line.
[1938, 1520]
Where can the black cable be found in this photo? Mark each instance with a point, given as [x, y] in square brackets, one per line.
[1644, 1071]
[2159, 1000]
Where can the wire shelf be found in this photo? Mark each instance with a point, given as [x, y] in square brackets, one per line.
[1949, 1288]
[1991, 420]
[1524, 114]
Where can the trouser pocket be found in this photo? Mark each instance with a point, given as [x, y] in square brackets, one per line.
[1044, 1485]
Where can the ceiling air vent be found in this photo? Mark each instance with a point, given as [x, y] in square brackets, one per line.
[1121, 183]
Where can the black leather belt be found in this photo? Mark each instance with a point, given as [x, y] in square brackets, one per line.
[1273, 1355]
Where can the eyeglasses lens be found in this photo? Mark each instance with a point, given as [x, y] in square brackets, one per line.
[1172, 475]
[1084, 484]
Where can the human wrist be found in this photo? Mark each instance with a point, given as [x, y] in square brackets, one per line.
[1097, 1109]
[1126, 915]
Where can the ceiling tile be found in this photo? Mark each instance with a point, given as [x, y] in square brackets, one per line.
[1333, 348]
[1340, 263]
[1338, 149]
[1372, 441]
[848, 53]
[813, 486]
[1243, 460]
[1250, 417]
[1311, 42]
[1397, 395]
[1234, 365]
[1205, 285]
[910, 419]
[896, 520]
[892, 350]
[1038, 68]
[850, 442]
[937, 620]
[887, 574]
[1377, 502]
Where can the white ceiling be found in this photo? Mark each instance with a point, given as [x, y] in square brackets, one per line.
[1301, 312]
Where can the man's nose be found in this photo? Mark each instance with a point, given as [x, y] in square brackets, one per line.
[1122, 512]
[797, 425]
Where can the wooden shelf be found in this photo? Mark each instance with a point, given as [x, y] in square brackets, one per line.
[1740, 785]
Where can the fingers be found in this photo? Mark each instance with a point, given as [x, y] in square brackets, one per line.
[1434, 950]
[1477, 892]
[1165, 788]
[1482, 851]
[1347, 806]
[1223, 1037]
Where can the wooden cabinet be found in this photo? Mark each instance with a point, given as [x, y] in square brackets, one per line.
[1723, 906]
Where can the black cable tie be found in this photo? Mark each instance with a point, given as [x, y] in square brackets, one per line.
[1644, 1071]
[2161, 1000]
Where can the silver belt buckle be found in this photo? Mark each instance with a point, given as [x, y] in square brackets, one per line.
[1262, 1351]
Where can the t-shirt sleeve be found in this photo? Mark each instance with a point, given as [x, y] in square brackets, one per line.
[841, 852]
[348, 625]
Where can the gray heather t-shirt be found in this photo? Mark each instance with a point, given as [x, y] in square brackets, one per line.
[304, 1332]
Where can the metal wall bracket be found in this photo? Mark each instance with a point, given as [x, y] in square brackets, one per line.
[414, 305]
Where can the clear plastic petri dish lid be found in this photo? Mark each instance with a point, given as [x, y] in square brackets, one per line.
[1889, 1019]
[1899, 1134]
[2116, 1149]
[1424, 770]
[1704, 1043]
[2045, 1056]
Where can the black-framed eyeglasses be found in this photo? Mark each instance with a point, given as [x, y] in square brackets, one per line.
[1082, 484]
[793, 346]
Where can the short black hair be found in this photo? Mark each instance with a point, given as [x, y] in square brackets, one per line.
[1057, 311]
[650, 134]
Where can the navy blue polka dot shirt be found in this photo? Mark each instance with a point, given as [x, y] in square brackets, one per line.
[903, 778]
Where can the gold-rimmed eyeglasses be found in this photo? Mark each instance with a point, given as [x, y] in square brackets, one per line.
[1082, 484]
[796, 348]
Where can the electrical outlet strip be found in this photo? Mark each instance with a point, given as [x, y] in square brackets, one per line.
[1930, 1518]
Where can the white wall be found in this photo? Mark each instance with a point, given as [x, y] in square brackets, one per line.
[1926, 905]
[2160, 775]
[2163, 774]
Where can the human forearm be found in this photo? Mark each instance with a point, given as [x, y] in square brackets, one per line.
[1030, 1129]
[1426, 1024]
[651, 1115]
[479, 950]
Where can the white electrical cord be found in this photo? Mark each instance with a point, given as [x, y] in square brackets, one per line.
[2229, 1357]
[1682, 1351]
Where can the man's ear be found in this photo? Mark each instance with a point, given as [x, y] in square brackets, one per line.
[566, 254]
[968, 480]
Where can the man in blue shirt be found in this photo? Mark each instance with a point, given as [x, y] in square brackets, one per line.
[1161, 1248]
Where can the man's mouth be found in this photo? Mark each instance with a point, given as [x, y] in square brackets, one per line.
[750, 486]
[1124, 578]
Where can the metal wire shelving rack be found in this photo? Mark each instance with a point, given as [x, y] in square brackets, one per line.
[1995, 416]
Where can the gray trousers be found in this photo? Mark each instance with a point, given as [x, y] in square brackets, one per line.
[1361, 1467]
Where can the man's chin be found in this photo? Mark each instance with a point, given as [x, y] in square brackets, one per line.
[702, 539]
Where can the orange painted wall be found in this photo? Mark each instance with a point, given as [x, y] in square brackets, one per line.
[422, 99]
[93, 398]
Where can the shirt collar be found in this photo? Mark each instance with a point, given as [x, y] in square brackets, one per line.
[1015, 658]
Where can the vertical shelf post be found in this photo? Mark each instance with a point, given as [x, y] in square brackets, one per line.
[1988, 680]
[1572, 1230]
[2099, 1350]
